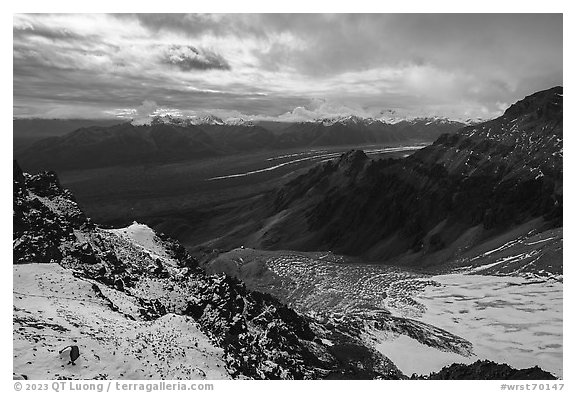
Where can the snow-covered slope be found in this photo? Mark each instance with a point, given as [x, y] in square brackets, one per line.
[143, 236]
[54, 308]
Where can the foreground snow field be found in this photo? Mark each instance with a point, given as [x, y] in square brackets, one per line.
[54, 309]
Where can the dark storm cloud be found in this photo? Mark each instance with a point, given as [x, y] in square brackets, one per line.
[188, 58]
[193, 25]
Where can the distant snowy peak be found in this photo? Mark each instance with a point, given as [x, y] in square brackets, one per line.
[391, 119]
[390, 116]
[210, 120]
[240, 122]
[168, 119]
[344, 120]
[206, 120]
[353, 120]
[427, 121]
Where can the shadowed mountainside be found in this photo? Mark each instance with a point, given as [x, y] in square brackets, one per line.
[30, 130]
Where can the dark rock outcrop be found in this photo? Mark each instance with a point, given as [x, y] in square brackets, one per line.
[38, 230]
[485, 369]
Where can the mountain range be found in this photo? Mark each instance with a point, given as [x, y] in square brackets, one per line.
[27, 131]
[172, 139]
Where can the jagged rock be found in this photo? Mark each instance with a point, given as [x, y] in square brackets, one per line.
[151, 309]
[255, 329]
[352, 162]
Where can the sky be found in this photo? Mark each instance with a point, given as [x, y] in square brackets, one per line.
[290, 67]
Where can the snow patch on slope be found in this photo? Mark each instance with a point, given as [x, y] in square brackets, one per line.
[413, 357]
[143, 236]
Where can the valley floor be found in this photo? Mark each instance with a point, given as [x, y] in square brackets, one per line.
[182, 197]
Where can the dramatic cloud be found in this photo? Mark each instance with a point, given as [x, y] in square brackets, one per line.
[189, 58]
[293, 66]
[320, 108]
